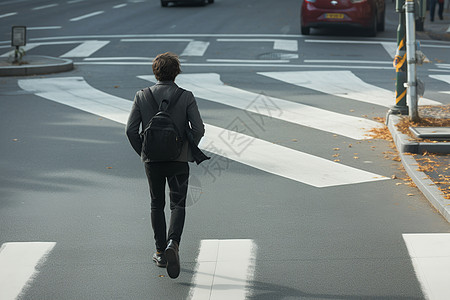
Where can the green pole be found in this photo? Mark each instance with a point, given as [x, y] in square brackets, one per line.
[400, 63]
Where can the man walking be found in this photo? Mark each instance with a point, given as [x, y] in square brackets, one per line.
[166, 67]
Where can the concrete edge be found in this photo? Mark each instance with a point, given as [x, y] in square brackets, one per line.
[425, 185]
[60, 65]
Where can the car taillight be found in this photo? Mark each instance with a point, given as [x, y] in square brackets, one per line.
[358, 1]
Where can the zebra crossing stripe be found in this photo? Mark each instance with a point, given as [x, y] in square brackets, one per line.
[278, 44]
[18, 263]
[209, 86]
[275, 159]
[444, 78]
[195, 48]
[86, 49]
[283, 161]
[430, 255]
[224, 269]
[342, 84]
[77, 93]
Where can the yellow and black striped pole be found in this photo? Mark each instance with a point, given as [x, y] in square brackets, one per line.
[400, 64]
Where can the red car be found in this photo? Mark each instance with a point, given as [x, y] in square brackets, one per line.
[165, 3]
[367, 14]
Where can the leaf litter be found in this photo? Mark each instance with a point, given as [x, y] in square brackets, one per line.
[428, 163]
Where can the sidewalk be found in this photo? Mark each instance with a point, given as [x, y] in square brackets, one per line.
[439, 29]
[429, 171]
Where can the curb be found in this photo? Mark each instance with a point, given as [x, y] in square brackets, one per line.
[39, 65]
[425, 185]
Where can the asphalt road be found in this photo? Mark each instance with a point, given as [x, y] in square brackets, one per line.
[296, 202]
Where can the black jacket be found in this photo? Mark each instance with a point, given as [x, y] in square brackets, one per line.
[185, 110]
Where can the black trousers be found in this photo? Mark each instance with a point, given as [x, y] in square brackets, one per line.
[176, 174]
[433, 9]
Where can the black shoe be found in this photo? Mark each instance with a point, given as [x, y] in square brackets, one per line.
[160, 259]
[173, 259]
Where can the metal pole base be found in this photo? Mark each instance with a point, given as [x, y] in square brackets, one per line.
[399, 110]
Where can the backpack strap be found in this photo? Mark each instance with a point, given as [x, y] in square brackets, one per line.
[149, 96]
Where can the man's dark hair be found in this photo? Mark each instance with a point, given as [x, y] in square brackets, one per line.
[166, 66]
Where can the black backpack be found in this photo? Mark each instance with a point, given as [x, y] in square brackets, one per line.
[161, 139]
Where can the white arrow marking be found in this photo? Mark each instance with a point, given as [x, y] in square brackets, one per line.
[342, 84]
[209, 86]
[86, 49]
[18, 263]
[260, 154]
[430, 255]
[224, 269]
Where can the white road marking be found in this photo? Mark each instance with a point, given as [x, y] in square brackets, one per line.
[336, 61]
[120, 5]
[445, 66]
[145, 40]
[278, 44]
[209, 86]
[30, 46]
[430, 255]
[8, 15]
[445, 78]
[245, 65]
[342, 84]
[247, 61]
[195, 48]
[76, 92]
[282, 161]
[170, 35]
[18, 263]
[118, 58]
[93, 14]
[115, 63]
[44, 28]
[86, 49]
[390, 47]
[27, 47]
[45, 6]
[224, 269]
[260, 154]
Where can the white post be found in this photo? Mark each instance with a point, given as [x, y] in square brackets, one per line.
[411, 59]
